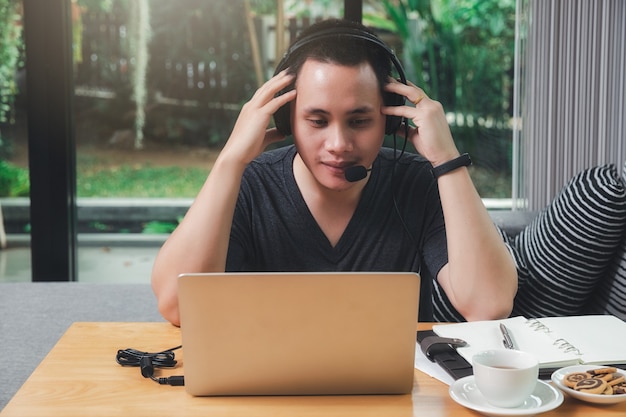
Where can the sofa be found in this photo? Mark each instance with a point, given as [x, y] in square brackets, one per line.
[570, 256]
[34, 315]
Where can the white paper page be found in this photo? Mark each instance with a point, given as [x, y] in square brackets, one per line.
[600, 339]
[482, 335]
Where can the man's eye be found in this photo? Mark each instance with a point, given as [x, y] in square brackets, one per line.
[318, 122]
[360, 123]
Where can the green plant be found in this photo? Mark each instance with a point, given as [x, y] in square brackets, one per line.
[100, 227]
[157, 227]
[461, 53]
[263, 6]
[10, 59]
[314, 8]
[460, 50]
[14, 181]
[140, 181]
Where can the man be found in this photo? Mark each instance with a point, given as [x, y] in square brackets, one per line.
[303, 208]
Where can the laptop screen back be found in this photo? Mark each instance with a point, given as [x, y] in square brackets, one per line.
[298, 333]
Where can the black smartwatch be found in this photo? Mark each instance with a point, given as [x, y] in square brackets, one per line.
[461, 161]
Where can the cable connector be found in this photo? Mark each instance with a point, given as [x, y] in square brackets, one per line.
[175, 381]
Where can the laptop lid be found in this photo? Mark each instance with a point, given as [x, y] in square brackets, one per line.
[298, 333]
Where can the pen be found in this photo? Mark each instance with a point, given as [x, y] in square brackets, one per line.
[507, 339]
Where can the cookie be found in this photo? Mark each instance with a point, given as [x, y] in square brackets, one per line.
[605, 377]
[602, 371]
[591, 386]
[619, 389]
[608, 390]
[617, 379]
[571, 379]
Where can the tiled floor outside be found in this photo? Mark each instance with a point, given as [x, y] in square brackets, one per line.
[100, 264]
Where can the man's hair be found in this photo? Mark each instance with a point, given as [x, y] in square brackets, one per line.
[341, 48]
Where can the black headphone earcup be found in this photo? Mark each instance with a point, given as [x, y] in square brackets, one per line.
[393, 122]
[282, 116]
[282, 119]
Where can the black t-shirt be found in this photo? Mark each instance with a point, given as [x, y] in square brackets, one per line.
[397, 226]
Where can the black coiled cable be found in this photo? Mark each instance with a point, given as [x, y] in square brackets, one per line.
[148, 361]
[132, 357]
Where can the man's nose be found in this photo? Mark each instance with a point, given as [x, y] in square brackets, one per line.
[339, 139]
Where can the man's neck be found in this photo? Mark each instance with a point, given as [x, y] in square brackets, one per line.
[331, 209]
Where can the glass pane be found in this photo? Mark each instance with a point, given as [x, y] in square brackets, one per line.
[14, 183]
[462, 54]
[159, 85]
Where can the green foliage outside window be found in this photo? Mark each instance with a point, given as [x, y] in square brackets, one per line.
[14, 181]
[10, 44]
[461, 52]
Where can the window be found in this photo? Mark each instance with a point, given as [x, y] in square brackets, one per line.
[149, 74]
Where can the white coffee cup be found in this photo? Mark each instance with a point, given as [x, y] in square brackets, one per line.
[505, 377]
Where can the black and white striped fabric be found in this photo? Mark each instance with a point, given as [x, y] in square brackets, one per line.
[563, 254]
[610, 295]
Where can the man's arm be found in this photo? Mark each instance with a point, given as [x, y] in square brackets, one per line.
[480, 278]
[200, 242]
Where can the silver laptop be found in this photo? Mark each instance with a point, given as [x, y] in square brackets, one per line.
[298, 333]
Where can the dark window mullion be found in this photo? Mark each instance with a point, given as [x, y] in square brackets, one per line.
[52, 161]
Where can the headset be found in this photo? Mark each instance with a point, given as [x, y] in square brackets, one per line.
[282, 117]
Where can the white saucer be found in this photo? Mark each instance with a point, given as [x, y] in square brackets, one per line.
[557, 378]
[544, 398]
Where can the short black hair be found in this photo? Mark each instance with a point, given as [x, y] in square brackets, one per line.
[340, 47]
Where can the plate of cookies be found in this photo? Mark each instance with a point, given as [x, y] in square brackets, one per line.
[592, 383]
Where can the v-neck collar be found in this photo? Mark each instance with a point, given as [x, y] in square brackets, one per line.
[347, 238]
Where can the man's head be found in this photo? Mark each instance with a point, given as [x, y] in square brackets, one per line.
[343, 43]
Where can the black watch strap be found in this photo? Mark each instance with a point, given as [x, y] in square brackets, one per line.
[445, 355]
[458, 162]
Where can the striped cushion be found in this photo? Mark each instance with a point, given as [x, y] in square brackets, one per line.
[610, 296]
[565, 251]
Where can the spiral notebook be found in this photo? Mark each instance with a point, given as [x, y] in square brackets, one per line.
[555, 341]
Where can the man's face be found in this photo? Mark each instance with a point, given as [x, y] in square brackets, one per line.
[337, 121]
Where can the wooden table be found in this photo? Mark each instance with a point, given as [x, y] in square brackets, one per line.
[80, 377]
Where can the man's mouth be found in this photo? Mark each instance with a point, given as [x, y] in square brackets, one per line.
[338, 167]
